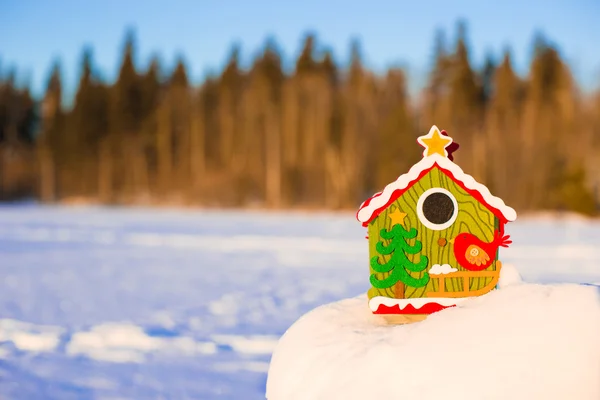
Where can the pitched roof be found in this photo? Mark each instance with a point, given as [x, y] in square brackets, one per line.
[371, 208]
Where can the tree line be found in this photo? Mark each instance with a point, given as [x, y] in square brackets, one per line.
[320, 136]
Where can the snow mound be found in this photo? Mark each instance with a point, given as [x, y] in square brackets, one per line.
[523, 341]
[509, 275]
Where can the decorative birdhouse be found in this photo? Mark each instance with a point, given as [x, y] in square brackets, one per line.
[434, 235]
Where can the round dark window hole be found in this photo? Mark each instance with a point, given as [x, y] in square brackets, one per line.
[438, 208]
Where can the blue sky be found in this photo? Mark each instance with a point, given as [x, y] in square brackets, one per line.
[35, 32]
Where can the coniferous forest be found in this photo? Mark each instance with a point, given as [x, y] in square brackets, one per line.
[320, 136]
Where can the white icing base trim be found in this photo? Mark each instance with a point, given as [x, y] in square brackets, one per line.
[364, 214]
[375, 302]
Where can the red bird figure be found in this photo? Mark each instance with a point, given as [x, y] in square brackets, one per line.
[476, 255]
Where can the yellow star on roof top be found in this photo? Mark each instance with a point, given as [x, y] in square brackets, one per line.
[397, 217]
[434, 142]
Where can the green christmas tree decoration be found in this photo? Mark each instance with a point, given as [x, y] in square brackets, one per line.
[399, 264]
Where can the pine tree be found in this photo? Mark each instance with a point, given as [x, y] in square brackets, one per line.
[435, 109]
[313, 100]
[197, 150]
[151, 95]
[329, 67]
[48, 144]
[396, 138]
[336, 177]
[548, 123]
[487, 79]
[229, 130]
[306, 61]
[18, 125]
[270, 79]
[467, 106]
[209, 111]
[72, 142]
[128, 101]
[360, 96]
[151, 91]
[10, 111]
[126, 119]
[486, 95]
[179, 104]
[230, 93]
[3, 108]
[463, 86]
[398, 266]
[87, 126]
[503, 131]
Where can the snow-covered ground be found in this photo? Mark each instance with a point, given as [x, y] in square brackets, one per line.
[143, 304]
[524, 341]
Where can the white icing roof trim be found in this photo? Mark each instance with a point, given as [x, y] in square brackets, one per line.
[417, 303]
[364, 214]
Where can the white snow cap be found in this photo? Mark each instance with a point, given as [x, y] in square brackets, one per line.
[438, 269]
[378, 201]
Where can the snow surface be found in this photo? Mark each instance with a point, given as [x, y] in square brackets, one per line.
[107, 303]
[524, 341]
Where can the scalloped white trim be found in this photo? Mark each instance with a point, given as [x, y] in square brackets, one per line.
[417, 303]
[364, 214]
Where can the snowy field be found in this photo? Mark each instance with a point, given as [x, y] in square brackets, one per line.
[143, 304]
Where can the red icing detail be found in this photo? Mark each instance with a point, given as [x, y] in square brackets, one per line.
[395, 195]
[366, 203]
[399, 192]
[428, 308]
[475, 194]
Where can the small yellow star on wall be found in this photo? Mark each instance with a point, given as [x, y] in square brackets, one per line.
[434, 142]
[397, 217]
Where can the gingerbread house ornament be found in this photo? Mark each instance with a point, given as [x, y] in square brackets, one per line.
[434, 235]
